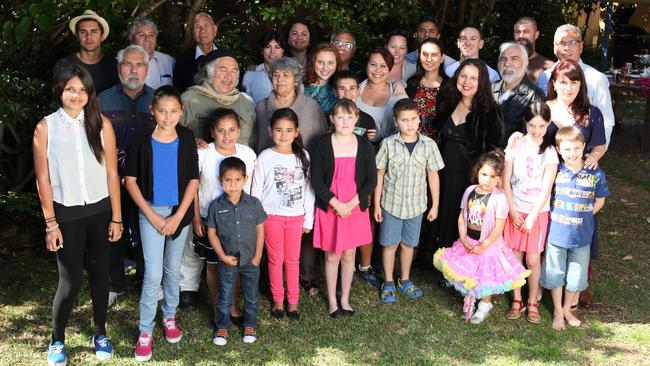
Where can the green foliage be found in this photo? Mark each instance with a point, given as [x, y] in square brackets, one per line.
[17, 206]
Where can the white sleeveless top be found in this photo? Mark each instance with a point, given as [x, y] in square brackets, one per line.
[75, 175]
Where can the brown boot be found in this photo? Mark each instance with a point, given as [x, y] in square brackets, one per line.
[585, 299]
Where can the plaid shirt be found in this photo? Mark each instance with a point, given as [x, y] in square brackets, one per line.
[404, 193]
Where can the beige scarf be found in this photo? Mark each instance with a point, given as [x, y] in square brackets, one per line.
[206, 89]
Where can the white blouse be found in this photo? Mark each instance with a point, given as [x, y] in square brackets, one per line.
[75, 175]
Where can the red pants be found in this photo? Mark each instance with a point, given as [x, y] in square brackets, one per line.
[282, 236]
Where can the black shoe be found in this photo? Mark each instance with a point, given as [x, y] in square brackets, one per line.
[369, 276]
[295, 315]
[186, 300]
[277, 313]
[335, 313]
[346, 312]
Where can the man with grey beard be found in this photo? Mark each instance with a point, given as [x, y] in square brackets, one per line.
[515, 91]
[127, 106]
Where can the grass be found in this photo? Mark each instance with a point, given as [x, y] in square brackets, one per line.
[427, 331]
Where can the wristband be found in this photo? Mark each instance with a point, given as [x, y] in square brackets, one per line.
[50, 229]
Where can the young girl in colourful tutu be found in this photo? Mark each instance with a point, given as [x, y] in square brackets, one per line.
[528, 178]
[479, 264]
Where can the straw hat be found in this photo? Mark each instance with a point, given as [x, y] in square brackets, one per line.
[89, 14]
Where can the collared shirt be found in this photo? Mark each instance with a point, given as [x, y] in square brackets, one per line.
[161, 70]
[127, 116]
[236, 225]
[597, 90]
[198, 52]
[404, 193]
[572, 206]
[258, 84]
[451, 70]
[76, 177]
[413, 58]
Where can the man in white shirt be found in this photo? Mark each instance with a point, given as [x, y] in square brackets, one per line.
[567, 45]
[144, 33]
[470, 42]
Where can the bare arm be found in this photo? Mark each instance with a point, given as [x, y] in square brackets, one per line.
[172, 222]
[131, 184]
[53, 239]
[600, 202]
[259, 244]
[462, 231]
[115, 228]
[495, 234]
[216, 246]
[377, 195]
[507, 190]
[434, 189]
[542, 200]
[596, 153]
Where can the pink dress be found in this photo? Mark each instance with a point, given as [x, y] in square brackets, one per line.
[494, 271]
[333, 233]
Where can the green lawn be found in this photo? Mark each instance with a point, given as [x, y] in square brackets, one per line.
[426, 331]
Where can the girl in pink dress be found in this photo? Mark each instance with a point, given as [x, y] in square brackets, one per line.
[343, 177]
[479, 264]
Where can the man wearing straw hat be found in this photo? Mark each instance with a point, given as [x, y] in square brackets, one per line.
[91, 30]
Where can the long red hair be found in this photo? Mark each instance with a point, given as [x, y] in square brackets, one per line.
[310, 72]
[580, 105]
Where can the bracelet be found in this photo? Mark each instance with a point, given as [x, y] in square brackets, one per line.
[53, 218]
[50, 229]
[116, 222]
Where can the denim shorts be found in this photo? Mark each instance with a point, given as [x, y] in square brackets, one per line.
[394, 230]
[565, 266]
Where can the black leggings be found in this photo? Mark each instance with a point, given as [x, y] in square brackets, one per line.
[85, 242]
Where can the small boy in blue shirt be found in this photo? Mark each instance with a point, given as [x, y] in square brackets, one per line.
[231, 219]
[578, 194]
[405, 162]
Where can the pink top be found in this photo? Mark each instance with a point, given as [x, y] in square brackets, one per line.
[497, 208]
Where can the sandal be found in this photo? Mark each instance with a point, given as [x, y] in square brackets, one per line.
[408, 288]
[532, 316]
[515, 310]
[387, 294]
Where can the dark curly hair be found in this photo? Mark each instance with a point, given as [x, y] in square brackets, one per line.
[482, 99]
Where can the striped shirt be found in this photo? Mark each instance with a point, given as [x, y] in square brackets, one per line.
[404, 193]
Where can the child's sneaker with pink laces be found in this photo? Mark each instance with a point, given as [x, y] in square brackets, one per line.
[143, 347]
[171, 330]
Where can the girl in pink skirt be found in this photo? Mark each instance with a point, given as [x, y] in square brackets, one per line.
[479, 264]
[528, 178]
[344, 175]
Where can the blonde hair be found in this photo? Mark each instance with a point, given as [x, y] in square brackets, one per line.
[569, 133]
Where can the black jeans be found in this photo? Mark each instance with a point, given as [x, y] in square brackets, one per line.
[85, 243]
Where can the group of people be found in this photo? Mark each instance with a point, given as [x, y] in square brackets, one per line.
[186, 164]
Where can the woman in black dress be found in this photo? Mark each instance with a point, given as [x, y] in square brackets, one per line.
[469, 124]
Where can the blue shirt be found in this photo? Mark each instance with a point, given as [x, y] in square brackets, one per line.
[323, 94]
[165, 173]
[594, 132]
[572, 206]
[236, 225]
[126, 115]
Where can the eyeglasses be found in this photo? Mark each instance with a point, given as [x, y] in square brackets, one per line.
[344, 44]
[571, 43]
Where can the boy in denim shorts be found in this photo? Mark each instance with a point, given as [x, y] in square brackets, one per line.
[405, 161]
[236, 233]
[579, 193]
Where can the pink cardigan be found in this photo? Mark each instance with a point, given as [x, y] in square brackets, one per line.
[497, 208]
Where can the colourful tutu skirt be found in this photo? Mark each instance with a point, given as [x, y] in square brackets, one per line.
[495, 271]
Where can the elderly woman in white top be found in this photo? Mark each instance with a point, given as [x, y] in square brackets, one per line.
[75, 160]
[257, 82]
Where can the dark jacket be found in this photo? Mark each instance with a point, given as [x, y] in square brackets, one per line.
[139, 164]
[483, 129]
[513, 108]
[322, 171]
[185, 69]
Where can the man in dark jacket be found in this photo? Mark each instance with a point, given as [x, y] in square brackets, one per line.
[515, 91]
[205, 31]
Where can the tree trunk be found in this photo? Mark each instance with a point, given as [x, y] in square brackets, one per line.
[443, 16]
[461, 12]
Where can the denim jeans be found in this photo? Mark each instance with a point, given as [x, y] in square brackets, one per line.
[162, 258]
[249, 277]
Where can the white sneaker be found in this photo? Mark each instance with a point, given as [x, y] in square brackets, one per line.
[481, 312]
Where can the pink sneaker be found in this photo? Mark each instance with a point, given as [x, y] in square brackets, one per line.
[171, 330]
[143, 347]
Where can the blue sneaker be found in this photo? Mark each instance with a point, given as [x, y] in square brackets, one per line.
[103, 348]
[56, 354]
[408, 288]
[387, 294]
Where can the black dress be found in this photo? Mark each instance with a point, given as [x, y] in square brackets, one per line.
[454, 179]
